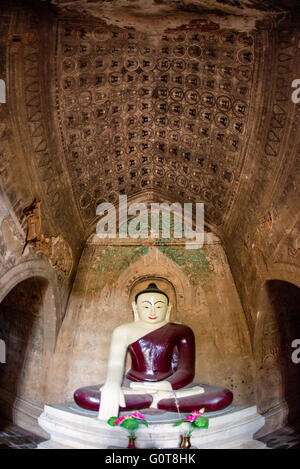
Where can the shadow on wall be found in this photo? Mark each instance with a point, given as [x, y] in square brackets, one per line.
[278, 372]
[21, 328]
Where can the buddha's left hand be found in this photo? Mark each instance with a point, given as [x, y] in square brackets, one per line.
[158, 386]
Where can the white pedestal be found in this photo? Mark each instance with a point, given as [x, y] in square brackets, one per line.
[72, 427]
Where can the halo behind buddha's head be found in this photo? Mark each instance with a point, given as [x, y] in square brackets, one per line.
[152, 288]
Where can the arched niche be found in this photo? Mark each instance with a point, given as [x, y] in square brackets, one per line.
[277, 376]
[29, 306]
[155, 267]
[168, 276]
[38, 268]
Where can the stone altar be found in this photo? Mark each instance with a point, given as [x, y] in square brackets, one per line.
[70, 426]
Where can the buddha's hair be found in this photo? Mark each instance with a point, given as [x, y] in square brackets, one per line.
[152, 288]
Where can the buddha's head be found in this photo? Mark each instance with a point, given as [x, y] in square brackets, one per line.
[151, 305]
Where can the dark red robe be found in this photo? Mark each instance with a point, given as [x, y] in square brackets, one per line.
[166, 353]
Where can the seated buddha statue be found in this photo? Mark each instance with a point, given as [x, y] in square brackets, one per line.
[162, 365]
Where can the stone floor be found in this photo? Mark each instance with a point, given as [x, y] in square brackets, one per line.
[285, 438]
[13, 437]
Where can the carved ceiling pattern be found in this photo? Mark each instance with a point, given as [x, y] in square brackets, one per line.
[164, 114]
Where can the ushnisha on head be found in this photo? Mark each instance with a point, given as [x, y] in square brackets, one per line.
[151, 305]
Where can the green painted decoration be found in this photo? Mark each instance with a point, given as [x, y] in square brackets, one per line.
[116, 259]
[192, 261]
[112, 262]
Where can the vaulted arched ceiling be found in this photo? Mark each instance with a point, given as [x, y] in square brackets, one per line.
[164, 113]
[171, 103]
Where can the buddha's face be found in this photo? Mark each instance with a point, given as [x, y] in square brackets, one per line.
[152, 308]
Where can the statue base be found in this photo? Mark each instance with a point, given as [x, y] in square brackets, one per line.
[70, 426]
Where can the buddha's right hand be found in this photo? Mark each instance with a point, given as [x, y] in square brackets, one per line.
[112, 398]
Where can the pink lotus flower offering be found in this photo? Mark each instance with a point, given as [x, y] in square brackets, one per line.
[129, 421]
[119, 420]
[138, 415]
[195, 419]
[194, 415]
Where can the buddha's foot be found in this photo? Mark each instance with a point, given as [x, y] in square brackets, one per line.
[189, 391]
[160, 395]
[157, 396]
